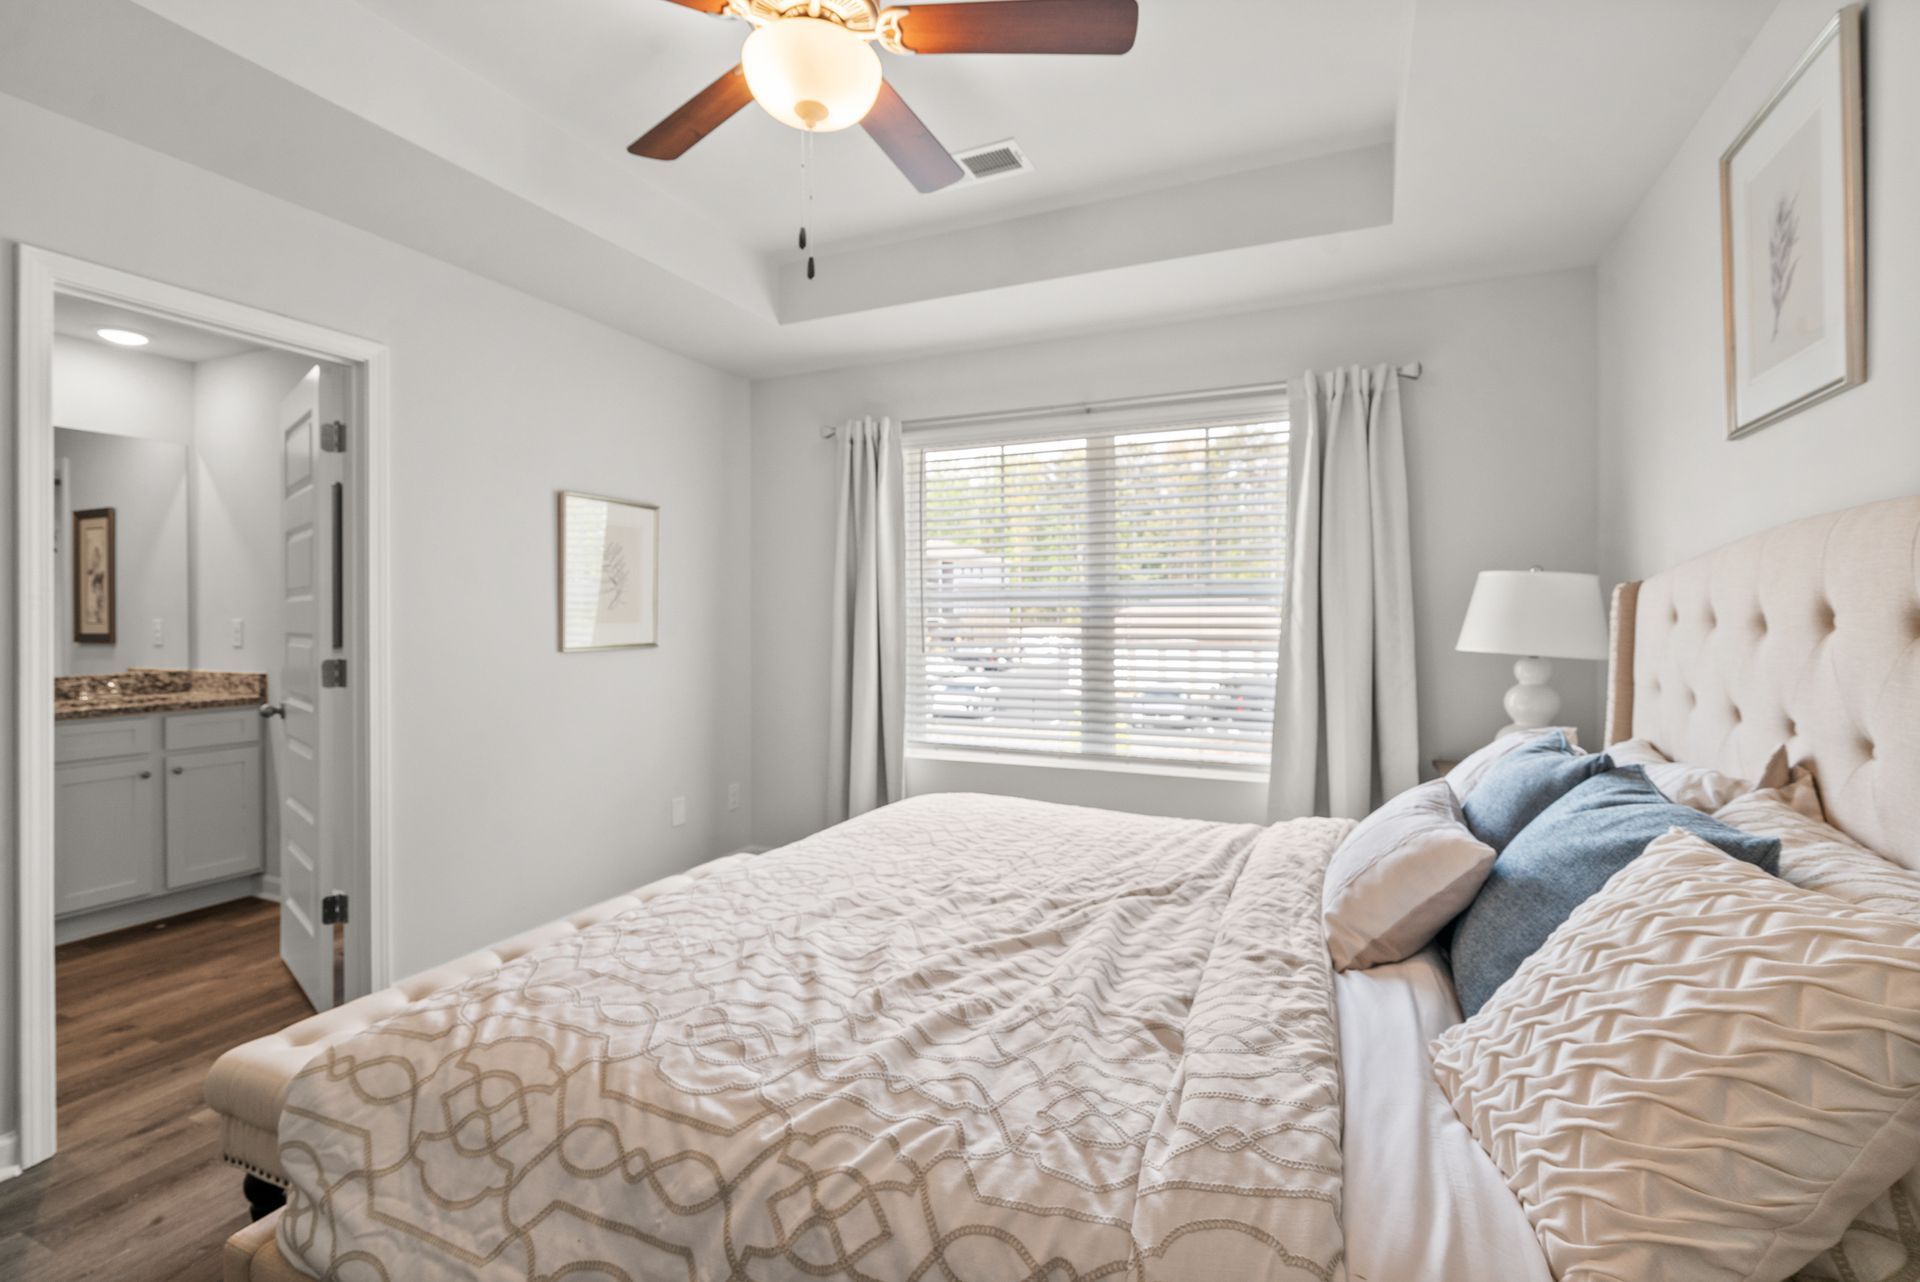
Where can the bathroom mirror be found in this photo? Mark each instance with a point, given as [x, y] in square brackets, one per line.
[121, 579]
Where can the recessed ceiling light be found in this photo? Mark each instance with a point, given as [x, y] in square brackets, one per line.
[123, 337]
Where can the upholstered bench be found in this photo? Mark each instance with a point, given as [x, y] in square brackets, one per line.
[248, 1085]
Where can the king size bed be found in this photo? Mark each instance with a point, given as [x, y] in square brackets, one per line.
[971, 1038]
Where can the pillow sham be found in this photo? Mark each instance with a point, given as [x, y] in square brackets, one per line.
[1528, 779]
[1815, 855]
[1403, 873]
[1560, 860]
[1704, 1075]
[1471, 769]
[1704, 789]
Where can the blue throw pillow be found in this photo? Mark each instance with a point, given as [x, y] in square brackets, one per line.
[1524, 783]
[1561, 859]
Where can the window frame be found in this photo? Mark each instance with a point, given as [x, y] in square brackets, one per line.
[1232, 407]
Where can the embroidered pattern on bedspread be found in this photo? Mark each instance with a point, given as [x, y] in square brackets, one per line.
[965, 1039]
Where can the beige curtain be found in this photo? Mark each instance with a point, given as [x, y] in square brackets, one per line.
[866, 748]
[1346, 728]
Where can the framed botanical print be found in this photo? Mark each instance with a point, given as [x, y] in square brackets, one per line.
[1793, 235]
[94, 587]
[609, 573]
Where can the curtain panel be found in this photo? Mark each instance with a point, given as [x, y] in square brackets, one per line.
[1346, 726]
[866, 743]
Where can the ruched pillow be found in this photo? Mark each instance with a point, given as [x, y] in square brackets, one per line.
[1703, 1076]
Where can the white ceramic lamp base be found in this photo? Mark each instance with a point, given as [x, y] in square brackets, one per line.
[1532, 703]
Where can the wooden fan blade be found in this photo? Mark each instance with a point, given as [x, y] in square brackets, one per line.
[1022, 26]
[704, 6]
[705, 112]
[909, 143]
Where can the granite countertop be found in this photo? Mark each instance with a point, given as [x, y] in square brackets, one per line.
[148, 690]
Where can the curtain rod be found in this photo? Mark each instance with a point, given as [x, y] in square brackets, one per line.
[1410, 370]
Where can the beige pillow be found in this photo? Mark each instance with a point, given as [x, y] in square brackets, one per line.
[1704, 1074]
[1702, 789]
[1883, 1242]
[1408, 869]
[1818, 856]
[1469, 770]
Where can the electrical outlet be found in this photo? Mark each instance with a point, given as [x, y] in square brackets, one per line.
[733, 796]
[239, 634]
[679, 811]
[159, 632]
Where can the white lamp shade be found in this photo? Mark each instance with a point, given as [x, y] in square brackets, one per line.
[811, 73]
[1549, 613]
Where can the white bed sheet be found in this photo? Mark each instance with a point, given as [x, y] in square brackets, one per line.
[1423, 1203]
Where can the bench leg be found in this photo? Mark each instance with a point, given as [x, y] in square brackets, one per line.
[263, 1196]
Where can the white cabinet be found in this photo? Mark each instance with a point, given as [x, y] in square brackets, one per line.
[213, 815]
[107, 830]
[120, 836]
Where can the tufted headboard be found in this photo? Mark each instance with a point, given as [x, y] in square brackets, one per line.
[1808, 634]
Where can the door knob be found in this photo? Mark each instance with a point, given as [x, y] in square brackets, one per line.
[146, 774]
[270, 710]
[179, 770]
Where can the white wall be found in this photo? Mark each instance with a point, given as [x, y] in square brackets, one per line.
[1500, 454]
[128, 393]
[525, 782]
[1671, 485]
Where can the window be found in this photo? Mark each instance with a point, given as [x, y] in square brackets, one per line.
[1108, 591]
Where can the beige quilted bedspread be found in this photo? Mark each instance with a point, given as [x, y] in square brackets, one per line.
[961, 1039]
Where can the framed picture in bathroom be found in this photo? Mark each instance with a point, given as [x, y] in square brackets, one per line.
[609, 573]
[94, 586]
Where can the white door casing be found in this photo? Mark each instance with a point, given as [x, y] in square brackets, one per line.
[310, 786]
[39, 277]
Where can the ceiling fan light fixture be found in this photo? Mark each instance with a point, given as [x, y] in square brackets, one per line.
[811, 74]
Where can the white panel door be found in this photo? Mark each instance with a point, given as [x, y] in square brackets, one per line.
[310, 785]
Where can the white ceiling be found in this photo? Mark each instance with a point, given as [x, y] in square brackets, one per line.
[82, 317]
[1208, 89]
[1248, 153]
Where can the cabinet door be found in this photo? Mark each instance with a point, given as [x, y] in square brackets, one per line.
[106, 828]
[213, 816]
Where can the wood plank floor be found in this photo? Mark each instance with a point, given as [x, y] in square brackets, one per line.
[137, 1192]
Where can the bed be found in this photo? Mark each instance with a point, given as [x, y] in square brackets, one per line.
[972, 1037]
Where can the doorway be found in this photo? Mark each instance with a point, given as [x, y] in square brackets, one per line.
[211, 747]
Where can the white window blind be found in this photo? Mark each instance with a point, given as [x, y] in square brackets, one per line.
[1106, 588]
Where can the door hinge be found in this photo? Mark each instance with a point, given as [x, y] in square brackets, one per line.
[333, 909]
[333, 437]
[333, 674]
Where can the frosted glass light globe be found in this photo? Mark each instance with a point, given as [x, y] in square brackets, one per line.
[811, 73]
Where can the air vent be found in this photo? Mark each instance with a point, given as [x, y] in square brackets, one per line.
[996, 160]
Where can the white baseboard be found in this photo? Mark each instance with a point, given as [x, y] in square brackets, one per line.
[269, 889]
[142, 911]
[9, 1155]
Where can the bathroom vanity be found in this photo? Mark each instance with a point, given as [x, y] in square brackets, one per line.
[160, 796]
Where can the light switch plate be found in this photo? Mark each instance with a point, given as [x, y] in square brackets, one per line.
[239, 633]
[679, 811]
[733, 796]
[159, 632]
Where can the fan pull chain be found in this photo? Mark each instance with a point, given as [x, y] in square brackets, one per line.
[806, 193]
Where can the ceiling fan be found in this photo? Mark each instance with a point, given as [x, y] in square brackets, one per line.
[811, 65]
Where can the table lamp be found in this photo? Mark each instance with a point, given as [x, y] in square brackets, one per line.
[1539, 615]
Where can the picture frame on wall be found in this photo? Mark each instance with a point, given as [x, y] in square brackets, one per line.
[95, 582]
[1793, 236]
[609, 573]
